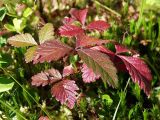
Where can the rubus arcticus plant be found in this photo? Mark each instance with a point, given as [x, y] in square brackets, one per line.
[95, 61]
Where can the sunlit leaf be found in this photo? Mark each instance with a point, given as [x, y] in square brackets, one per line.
[2, 13]
[10, 1]
[22, 40]
[5, 84]
[9, 27]
[107, 99]
[29, 55]
[46, 33]
[27, 12]
[19, 24]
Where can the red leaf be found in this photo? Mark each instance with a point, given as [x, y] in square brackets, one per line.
[65, 92]
[88, 75]
[70, 30]
[68, 20]
[43, 118]
[84, 40]
[116, 60]
[46, 77]
[98, 25]
[119, 64]
[139, 72]
[104, 50]
[51, 50]
[68, 70]
[80, 15]
[121, 49]
[40, 79]
[101, 64]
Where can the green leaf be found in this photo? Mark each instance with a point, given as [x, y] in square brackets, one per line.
[5, 84]
[2, 41]
[11, 10]
[107, 99]
[10, 27]
[2, 62]
[22, 40]
[5, 60]
[137, 91]
[2, 13]
[10, 1]
[83, 105]
[135, 113]
[29, 55]
[19, 24]
[73, 60]
[145, 114]
[46, 33]
[150, 5]
[27, 12]
[101, 65]
[35, 20]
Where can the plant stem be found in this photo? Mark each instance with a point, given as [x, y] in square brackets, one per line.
[115, 113]
[39, 105]
[107, 8]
